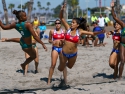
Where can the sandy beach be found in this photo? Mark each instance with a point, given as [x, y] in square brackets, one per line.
[91, 73]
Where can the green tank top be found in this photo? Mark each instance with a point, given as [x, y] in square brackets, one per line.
[20, 27]
[123, 32]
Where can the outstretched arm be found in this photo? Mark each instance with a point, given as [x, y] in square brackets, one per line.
[90, 33]
[11, 40]
[67, 27]
[114, 15]
[30, 28]
[9, 26]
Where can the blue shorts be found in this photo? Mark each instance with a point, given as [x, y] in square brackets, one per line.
[69, 55]
[114, 50]
[58, 49]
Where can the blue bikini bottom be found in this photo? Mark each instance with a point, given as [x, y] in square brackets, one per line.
[114, 50]
[58, 49]
[69, 55]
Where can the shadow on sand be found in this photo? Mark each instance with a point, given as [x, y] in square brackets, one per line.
[103, 75]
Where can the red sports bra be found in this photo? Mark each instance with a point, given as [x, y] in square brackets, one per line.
[70, 38]
[116, 36]
[58, 36]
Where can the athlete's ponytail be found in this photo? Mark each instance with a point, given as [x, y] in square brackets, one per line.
[82, 23]
[17, 13]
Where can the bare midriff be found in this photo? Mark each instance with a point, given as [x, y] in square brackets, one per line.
[69, 47]
[58, 43]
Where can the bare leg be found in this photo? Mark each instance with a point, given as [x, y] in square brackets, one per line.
[122, 57]
[36, 60]
[65, 75]
[54, 56]
[96, 41]
[62, 64]
[32, 53]
[26, 68]
[116, 68]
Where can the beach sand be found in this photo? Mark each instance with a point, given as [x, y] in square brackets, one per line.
[91, 73]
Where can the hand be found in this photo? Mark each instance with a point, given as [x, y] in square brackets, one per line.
[44, 47]
[63, 6]
[3, 39]
[107, 35]
[112, 4]
[61, 42]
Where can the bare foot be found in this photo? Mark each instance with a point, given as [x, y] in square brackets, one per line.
[23, 67]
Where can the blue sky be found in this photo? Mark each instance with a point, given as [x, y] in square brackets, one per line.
[54, 3]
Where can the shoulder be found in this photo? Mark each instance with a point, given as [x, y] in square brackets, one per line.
[28, 25]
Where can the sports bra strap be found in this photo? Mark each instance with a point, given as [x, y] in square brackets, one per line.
[60, 29]
[77, 32]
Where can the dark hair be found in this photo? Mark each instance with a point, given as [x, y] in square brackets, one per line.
[87, 25]
[82, 23]
[17, 13]
[58, 20]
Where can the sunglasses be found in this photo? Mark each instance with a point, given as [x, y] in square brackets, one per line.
[57, 23]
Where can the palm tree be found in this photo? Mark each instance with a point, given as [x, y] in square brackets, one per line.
[48, 4]
[34, 11]
[73, 4]
[5, 11]
[11, 6]
[24, 7]
[30, 7]
[39, 6]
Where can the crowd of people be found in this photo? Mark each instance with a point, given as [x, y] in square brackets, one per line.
[65, 41]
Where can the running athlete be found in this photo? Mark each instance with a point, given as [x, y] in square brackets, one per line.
[69, 49]
[36, 60]
[56, 36]
[114, 58]
[26, 30]
[122, 41]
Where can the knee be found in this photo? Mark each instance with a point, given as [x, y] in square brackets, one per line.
[70, 67]
[33, 56]
[60, 69]
[112, 65]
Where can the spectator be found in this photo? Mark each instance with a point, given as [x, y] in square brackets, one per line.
[96, 29]
[99, 37]
[107, 20]
[93, 18]
[42, 28]
[35, 24]
[101, 22]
